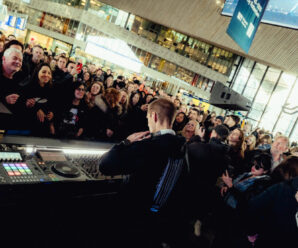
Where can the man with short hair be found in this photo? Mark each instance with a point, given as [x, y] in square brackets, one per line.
[11, 63]
[60, 70]
[193, 114]
[145, 157]
[71, 68]
[32, 61]
[278, 147]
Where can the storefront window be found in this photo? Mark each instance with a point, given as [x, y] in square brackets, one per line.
[184, 74]
[73, 3]
[169, 68]
[36, 38]
[155, 61]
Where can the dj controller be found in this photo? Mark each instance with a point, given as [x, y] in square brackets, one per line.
[22, 164]
[53, 192]
[39, 168]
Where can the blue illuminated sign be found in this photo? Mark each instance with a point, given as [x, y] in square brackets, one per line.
[245, 22]
[20, 23]
[11, 21]
[278, 12]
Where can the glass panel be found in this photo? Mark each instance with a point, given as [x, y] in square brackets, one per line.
[243, 75]
[277, 101]
[289, 114]
[294, 136]
[254, 81]
[285, 123]
[263, 94]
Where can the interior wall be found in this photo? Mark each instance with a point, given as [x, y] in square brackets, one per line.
[273, 45]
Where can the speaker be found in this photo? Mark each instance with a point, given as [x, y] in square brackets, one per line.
[226, 98]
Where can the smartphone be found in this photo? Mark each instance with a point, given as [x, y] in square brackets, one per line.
[79, 67]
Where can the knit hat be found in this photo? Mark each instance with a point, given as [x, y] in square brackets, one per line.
[222, 131]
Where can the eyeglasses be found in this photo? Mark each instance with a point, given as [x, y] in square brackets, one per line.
[80, 89]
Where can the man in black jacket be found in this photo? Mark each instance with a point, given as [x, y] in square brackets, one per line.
[144, 156]
[60, 70]
[32, 61]
[9, 89]
[208, 161]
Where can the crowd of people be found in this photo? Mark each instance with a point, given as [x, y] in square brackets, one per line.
[234, 192]
[54, 96]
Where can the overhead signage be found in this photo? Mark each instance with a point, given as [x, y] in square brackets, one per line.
[16, 20]
[245, 22]
[11, 20]
[21, 23]
[278, 12]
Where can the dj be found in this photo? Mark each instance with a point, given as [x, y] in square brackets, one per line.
[144, 156]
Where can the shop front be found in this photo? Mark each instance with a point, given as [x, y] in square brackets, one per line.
[47, 42]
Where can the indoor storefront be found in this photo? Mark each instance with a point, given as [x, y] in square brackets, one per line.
[49, 43]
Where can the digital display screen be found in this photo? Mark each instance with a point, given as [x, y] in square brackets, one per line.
[51, 156]
[17, 169]
[10, 156]
[282, 13]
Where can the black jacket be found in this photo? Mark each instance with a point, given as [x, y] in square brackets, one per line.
[100, 118]
[58, 76]
[272, 215]
[207, 162]
[145, 161]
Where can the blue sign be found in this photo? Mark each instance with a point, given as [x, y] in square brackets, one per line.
[245, 22]
[11, 21]
[21, 23]
[282, 13]
[195, 97]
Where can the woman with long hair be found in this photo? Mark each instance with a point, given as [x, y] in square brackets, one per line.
[108, 83]
[87, 79]
[38, 98]
[180, 122]
[134, 100]
[96, 89]
[250, 142]
[236, 142]
[189, 130]
[103, 119]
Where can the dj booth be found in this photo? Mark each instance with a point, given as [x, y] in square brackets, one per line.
[52, 193]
